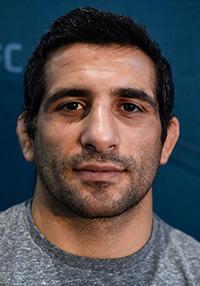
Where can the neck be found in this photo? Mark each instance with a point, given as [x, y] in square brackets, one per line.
[112, 237]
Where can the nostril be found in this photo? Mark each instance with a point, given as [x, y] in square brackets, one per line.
[90, 147]
[111, 147]
[94, 149]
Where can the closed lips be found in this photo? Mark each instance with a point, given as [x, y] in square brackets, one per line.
[99, 168]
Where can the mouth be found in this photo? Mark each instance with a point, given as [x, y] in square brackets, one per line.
[99, 172]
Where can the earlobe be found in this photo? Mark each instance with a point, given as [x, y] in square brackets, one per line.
[170, 141]
[25, 141]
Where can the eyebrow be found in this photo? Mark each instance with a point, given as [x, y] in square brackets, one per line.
[129, 92]
[66, 92]
[137, 94]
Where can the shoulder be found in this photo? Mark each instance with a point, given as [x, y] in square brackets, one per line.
[180, 242]
[180, 258]
[184, 246]
[12, 211]
[10, 218]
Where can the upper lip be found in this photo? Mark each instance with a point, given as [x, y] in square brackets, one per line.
[100, 168]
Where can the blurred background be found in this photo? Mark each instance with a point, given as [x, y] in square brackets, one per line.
[175, 25]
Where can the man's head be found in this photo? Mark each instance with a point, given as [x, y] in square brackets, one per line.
[101, 28]
[98, 113]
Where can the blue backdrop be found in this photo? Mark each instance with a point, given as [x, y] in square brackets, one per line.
[176, 26]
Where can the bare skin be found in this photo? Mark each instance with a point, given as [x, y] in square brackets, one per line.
[99, 100]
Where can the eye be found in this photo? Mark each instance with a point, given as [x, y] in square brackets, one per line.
[71, 106]
[130, 107]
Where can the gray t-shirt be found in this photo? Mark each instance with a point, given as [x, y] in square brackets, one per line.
[170, 257]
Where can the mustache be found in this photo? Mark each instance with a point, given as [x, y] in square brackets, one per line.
[75, 160]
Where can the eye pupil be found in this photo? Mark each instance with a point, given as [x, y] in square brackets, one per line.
[72, 105]
[129, 107]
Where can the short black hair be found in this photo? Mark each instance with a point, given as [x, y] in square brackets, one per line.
[92, 26]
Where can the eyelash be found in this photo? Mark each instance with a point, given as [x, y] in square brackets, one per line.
[64, 105]
[133, 105]
[127, 104]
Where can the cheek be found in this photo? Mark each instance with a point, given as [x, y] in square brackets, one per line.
[141, 140]
[60, 135]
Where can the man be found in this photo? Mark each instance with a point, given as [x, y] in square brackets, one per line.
[97, 123]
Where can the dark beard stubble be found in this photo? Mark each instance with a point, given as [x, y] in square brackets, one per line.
[65, 198]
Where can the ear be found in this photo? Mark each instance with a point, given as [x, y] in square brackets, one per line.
[170, 141]
[25, 141]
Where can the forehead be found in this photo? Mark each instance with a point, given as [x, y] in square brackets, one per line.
[110, 66]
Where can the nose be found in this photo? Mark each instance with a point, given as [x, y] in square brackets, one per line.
[100, 132]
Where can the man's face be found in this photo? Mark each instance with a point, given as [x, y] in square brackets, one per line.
[97, 146]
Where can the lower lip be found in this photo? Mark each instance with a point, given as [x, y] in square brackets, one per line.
[98, 176]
